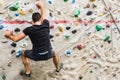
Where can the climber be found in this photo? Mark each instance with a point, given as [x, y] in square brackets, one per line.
[39, 36]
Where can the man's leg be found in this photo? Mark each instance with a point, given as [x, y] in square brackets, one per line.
[56, 61]
[26, 63]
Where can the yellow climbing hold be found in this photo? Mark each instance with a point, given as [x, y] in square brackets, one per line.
[61, 28]
[21, 12]
[30, 10]
[92, 0]
[101, 14]
[119, 10]
[1, 3]
[57, 33]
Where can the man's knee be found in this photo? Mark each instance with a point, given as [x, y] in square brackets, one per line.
[23, 53]
[55, 54]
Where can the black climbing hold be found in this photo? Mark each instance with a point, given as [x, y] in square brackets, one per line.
[74, 31]
[67, 28]
[50, 14]
[17, 29]
[59, 13]
[80, 77]
[12, 51]
[14, 44]
[89, 13]
[109, 41]
[101, 45]
[51, 36]
[103, 28]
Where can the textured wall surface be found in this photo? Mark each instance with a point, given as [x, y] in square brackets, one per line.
[87, 43]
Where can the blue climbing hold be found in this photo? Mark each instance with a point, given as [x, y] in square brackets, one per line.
[1, 21]
[73, 1]
[16, 14]
[68, 52]
[19, 53]
[50, 1]
[1, 27]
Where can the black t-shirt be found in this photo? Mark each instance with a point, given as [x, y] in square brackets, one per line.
[39, 35]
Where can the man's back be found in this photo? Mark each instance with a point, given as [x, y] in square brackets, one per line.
[39, 35]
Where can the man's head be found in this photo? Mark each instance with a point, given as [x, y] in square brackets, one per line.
[36, 17]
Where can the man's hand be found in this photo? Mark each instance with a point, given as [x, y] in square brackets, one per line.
[8, 33]
[41, 7]
[39, 4]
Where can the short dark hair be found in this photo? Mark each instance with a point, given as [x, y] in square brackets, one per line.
[36, 16]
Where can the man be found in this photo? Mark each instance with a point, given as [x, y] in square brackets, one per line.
[39, 36]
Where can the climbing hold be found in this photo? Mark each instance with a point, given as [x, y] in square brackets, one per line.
[91, 71]
[108, 25]
[67, 36]
[51, 36]
[77, 13]
[4, 40]
[98, 27]
[88, 5]
[21, 12]
[89, 13]
[1, 3]
[89, 33]
[107, 37]
[92, 0]
[68, 53]
[101, 14]
[74, 31]
[80, 77]
[61, 28]
[67, 28]
[16, 14]
[17, 29]
[31, 10]
[73, 1]
[94, 56]
[9, 64]
[14, 7]
[3, 77]
[1, 21]
[94, 6]
[50, 14]
[50, 1]
[109, 41]
[1, 27]
[52, 26]
[57, 33]
[12, 51]
[13, 44]
[79, 47]
[19, 53]
[65, 0]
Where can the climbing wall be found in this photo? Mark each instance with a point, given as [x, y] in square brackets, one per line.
[85, 33]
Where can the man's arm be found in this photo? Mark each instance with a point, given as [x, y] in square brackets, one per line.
[13, 37]
[42, 9]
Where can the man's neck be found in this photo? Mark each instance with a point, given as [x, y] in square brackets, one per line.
[37, 23]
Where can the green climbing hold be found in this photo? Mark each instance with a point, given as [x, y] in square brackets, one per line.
[107, 38]
[65, 0]
[98, 27]
[14, 7]
[67, 36]
[3, 77]
[77, 13]
[91, 71]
